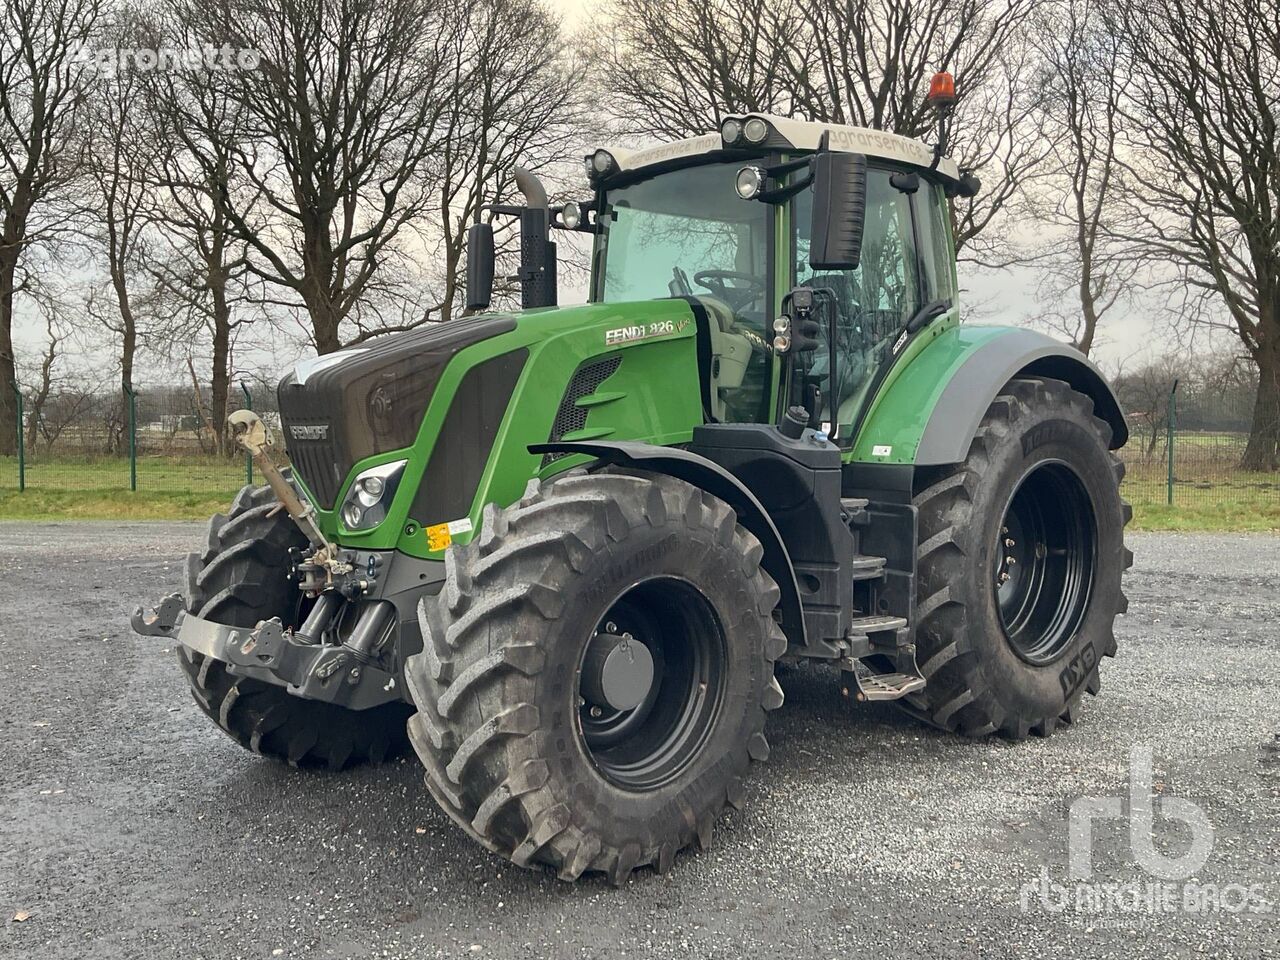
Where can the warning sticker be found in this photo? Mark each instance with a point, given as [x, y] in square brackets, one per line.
[881, 450]
[440, 535]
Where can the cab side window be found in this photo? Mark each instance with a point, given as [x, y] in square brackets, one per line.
[935, 243]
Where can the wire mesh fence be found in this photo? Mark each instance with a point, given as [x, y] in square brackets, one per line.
[1186, 450]
[150, 441]
[1190, 449]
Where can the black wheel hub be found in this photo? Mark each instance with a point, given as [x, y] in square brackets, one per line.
[650, 683]
[1044, 562]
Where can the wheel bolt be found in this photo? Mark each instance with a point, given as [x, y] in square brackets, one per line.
[1008, 542]
[596, 713]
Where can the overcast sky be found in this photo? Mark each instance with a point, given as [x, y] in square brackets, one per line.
[1002, 297]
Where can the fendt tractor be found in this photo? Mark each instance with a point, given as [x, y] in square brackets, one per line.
[560, 550]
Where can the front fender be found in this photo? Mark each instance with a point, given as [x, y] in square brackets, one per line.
[928, 414]
[716, 480]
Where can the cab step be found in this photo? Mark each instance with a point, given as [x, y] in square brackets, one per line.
[867, 568]
[869, 685]
[866, 626]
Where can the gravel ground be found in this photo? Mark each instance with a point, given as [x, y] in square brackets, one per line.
[133, 828]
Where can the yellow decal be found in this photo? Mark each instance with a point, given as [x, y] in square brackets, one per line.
[438, 536]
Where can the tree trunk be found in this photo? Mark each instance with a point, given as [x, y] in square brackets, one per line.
[8, 403]
[220, 380]
[1263, 450]
[36, 412]
[324, 319]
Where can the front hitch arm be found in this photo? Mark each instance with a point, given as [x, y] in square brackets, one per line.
[160, 620]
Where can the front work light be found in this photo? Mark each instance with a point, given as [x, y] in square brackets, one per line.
[755, 130]
[730, 131]
[602, 162]
[749, 182]
[370, 495]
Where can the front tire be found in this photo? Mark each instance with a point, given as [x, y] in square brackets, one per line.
[240, 578]
[1020, 563]
[517, 748]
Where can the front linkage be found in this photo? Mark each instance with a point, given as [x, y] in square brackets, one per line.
[310, 660]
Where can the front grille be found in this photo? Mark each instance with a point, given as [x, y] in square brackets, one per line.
[317, 464]
[570, 417]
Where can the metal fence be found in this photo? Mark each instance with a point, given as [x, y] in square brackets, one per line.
[156, 441]
[1187, 450]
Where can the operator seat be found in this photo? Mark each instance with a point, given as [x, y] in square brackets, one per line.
[730, 353]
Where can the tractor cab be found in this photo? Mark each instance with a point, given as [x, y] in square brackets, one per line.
[811, 255]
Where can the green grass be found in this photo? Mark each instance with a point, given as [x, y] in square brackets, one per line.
[110, 505]
[171, 488]
[84, 488]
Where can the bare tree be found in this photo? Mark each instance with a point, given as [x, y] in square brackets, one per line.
[341, 119]
[41, 93]
[44, 382]
[1202, 110]
[674, 68]
[200, 264]
[1078, 196]
[120, 138]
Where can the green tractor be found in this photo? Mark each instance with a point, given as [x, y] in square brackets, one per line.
[566, 547]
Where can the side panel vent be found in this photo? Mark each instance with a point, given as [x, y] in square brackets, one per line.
[587, 379]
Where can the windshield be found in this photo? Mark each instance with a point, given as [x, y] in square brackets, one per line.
[686, 233]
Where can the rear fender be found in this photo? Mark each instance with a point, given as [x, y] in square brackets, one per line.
[929, 413]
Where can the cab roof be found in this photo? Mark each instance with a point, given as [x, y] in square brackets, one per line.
[786, 134]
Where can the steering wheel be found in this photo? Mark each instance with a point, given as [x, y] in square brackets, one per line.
[747, 289]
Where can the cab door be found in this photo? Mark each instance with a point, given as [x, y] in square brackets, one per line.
[905, 264]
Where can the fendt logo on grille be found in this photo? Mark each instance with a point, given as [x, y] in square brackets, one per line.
[309, 431]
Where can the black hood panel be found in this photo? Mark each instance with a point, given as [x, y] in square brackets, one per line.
[368, 399]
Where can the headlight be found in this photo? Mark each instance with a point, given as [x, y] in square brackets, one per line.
[571, 215]
[755, 130]
[749, 182]
[730, 131]
[370, 495]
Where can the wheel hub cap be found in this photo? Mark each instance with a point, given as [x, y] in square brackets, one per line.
[617, 671]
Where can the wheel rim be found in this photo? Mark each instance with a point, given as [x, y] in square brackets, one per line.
[1044, 562]
[653, 743]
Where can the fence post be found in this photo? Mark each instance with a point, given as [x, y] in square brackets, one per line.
[22, 440]
[248, 457]
[1171, 427]
[132, 396]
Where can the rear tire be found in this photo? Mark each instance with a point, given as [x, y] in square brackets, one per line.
[515, 754]
[1013, 647]
[240, 578]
